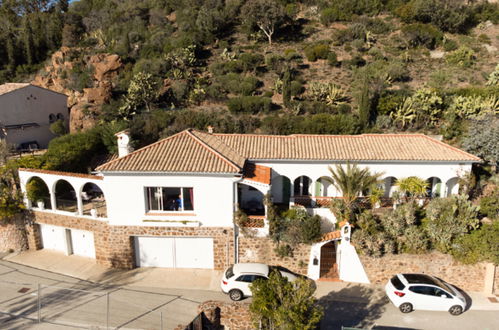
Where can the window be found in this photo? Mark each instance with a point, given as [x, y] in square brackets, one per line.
[250, 278]
[52, 118]
[426, 290]
[169, 199]
[60, 116]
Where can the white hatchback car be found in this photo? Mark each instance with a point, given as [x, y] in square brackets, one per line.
[238, 277]
[411, 292]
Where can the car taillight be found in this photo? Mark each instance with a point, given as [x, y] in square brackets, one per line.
[225, 283]
[398, 293]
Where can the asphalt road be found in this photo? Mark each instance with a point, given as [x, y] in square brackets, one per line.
[70, 303]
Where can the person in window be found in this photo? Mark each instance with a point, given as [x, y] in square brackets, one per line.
[178, 203]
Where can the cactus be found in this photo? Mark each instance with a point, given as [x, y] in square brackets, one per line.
[494, 77]
[474, 107]
[328, 92]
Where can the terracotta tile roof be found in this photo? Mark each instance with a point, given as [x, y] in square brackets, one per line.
[377, 147]
[192, 151]
[9, 87]
[331, 235]
[258, 173]
[185, 152]
[76, 175]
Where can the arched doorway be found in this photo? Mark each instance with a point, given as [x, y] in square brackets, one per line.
[452, 187]
[281, 190]
[390, 186]
[93, 200]
[65, 197]
[301, 191]
[250, 200]
[38, 193]
[434, 188]
[328, 265]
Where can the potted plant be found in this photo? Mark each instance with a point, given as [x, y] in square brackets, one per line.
[36, 191]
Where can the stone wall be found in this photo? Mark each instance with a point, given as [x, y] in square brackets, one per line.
[114, 245]
[496, 281]
[466, 277]
[262, 249]
[234, 315]
[13, 235]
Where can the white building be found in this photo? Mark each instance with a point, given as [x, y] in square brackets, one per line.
[26, 112]
[172, 203]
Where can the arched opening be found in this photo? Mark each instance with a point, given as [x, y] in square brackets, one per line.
[329, 268]
[390, 187]
[452, 186]
[250, 200]
[65, 197]
[93, 201]
[434, 188]
[281, 190]
[301, 186]
[38, 193]
[324, 189]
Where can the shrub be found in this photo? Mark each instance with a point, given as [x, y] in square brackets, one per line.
[389, 101]
[422, 35]
[332, 59]
[448, 219]
[449, 45]
[489, 206]
[479, 245]
[250, 61]
[356, 61]
[249, 104]
[463, 57]
[296, 88]
[235, 84]
[316, 51]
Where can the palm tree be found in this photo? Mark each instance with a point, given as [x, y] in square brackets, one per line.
[412, 187]
[352, 181]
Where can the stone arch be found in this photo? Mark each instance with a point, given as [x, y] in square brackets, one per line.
[452, 186]
[389, 185]
[65, 196]
[93, 200]
[281, 189]
[324, 187]
[38, 193]
[302, 186]
[250, 200]
[434, 187]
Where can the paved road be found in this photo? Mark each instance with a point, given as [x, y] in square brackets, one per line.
[80, 304]
[70, 303]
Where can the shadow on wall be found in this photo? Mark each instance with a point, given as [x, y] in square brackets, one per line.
[354, 306]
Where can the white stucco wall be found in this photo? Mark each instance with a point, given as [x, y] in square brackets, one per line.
[31, 104]
[213, 199]
[316, 169]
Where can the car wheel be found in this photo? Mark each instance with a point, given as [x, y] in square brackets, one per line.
[456, 310]
[235, 294]
[405, 308]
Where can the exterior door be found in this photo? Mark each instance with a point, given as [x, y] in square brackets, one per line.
[174, 252]
[194, 252]
[83, 243]
[54, 238]
[154, 252]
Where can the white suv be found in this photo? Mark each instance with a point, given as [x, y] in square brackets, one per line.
[411, 292]
[238, 277]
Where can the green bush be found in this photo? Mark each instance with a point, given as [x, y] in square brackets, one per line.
[296, 88]
[332, 59]
[249, 104]
[250, 61]
[419, 34]
[489, 206]
[236, 84]
[463, 57]
[479, 245]
[450, 45]
[317, 51]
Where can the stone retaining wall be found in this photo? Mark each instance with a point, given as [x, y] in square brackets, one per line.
[114, 245]
[496, 281]
[466, 277]
[13, 235]
[262, 249]
[234, 315]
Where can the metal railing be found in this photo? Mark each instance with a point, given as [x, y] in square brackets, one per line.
[69, 306]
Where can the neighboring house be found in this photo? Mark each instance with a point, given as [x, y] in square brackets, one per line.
[172, 203]
[26, 112]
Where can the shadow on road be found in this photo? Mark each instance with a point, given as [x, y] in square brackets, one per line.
[354, 306]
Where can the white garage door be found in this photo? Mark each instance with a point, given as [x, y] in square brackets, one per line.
[83, 243]
[54, 238]
[178, 252]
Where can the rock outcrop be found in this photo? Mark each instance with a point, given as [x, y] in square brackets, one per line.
[85, 104]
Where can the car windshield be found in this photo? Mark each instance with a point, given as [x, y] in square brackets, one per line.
[229, 272]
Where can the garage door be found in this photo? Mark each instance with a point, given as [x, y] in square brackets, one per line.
[174, 252]
[54, 238]
[83, 243]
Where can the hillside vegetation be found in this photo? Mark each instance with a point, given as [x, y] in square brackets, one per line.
[276, 67]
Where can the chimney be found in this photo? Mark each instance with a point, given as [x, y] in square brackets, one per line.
[124, 147]
[210, 129]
